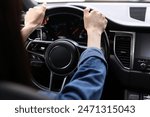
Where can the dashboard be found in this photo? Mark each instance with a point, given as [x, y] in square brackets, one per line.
[128, 31]
[66, 26]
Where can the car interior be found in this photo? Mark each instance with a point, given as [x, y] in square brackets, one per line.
[54, 48]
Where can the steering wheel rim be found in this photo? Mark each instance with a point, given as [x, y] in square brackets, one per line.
[49, 12]
[29, 4]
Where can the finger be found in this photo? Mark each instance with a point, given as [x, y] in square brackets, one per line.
[103, 16]
[40, 8]
[30, 9]
[43, 7]
[99, 13]
[86, 11]
[106, 21]
[44, 3]
[92, 11]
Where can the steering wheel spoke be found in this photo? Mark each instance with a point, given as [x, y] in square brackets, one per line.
[38, 47]
[56, 78]
[36, 50]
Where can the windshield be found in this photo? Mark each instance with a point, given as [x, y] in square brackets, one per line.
[60, 0]
[92, 0]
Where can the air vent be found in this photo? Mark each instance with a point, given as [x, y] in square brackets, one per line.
[122, 49]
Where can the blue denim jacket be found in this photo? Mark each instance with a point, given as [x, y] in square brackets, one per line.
[87, 82]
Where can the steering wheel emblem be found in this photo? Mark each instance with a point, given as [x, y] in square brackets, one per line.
[62, 57]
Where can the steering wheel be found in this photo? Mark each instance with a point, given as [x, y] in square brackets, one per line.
[62, 55]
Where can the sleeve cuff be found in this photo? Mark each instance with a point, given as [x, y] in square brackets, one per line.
[92, 52]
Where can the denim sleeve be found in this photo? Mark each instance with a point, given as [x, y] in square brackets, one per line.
[87, 82]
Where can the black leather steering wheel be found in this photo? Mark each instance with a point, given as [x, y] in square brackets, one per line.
[62, 55]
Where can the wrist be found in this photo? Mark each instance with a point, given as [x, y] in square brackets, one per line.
[94, 31]
[94, 38]
[31, 27]
[26, 31]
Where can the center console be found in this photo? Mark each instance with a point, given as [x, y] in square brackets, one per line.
[132, 63]
[142, 52]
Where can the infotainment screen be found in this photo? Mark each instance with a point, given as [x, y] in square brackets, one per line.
[142, 45]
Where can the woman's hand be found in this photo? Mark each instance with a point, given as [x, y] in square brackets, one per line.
[34, 16]
[33, 19]
[94, 23]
